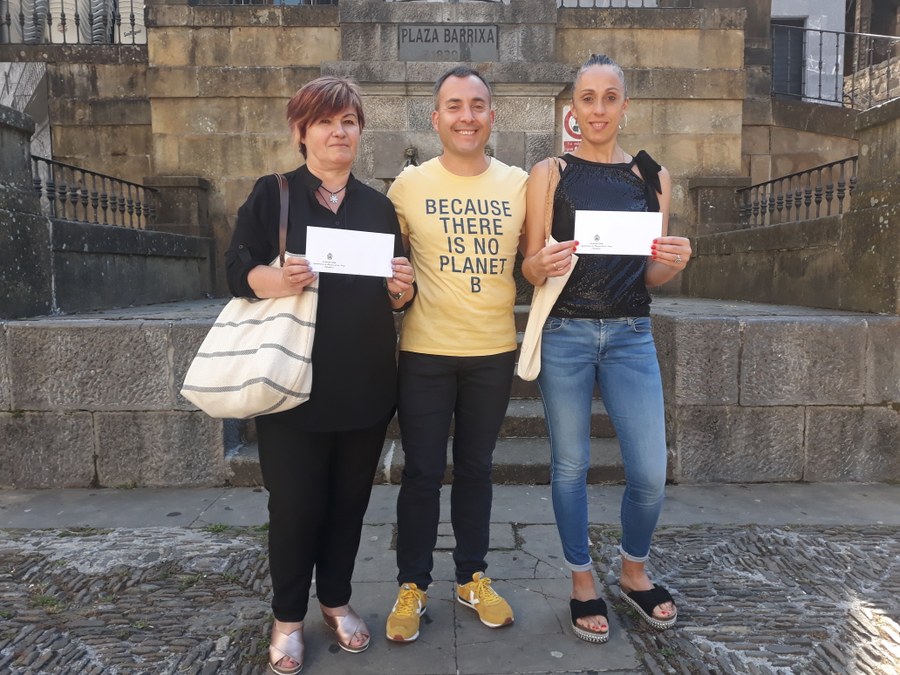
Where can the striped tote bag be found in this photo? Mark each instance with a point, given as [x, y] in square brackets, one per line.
[256, 359]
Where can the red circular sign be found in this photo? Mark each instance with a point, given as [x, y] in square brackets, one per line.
[571, 126]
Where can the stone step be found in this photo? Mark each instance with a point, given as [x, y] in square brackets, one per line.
[525, 419]
[517, 461]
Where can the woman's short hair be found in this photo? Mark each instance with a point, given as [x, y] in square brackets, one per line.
[320, 98]
[604, 60]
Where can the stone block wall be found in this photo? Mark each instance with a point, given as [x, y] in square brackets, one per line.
[764, 393]
[218, 82]
[98, 107]
[94, 403]
[219, 78]
[26, 283]
[798, 136]
[849, 262]
[753, 393]
[876, 84]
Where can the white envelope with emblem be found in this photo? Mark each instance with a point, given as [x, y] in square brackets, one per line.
[616, 232]
[349, 251]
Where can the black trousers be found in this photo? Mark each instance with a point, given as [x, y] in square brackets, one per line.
[319, 485]
[475, 391]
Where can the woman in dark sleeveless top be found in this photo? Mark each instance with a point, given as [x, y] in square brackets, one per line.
[599, 332]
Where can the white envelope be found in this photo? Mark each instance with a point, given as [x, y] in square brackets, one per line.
[616, 232]
[349, 251]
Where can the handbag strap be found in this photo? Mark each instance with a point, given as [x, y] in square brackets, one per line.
[552, 182]
[282, 218]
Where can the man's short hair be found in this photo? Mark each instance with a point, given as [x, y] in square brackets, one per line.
[460, 72]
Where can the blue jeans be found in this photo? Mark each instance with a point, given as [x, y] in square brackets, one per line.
[620, 356]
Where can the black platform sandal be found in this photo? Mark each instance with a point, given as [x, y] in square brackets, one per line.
[582, 608]
[644, 602]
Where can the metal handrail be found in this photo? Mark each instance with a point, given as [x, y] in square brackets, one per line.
[625, 4]
[72, 22]
[71, 193]
[856, 70]
[823, 190]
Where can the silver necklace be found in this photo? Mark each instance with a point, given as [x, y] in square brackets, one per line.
[333, 196]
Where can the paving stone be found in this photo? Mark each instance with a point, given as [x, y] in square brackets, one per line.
[170, 599]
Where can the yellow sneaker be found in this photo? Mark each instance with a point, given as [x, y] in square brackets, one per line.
[403, 621]
[493, 610]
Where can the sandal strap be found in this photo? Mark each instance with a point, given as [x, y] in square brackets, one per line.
[350, 625]
[583, 608]
[650, 600]
[289, 645]
[347, 626]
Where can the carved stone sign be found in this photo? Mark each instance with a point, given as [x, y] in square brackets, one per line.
[442, 42]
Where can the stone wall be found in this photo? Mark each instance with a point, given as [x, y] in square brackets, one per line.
[844, 262]
[218, 82]
[875, 84]
[98, 106]
[50, 265]
[91, 403]
[759, 393]
[753, 393]
[226, 122]
[26, 285]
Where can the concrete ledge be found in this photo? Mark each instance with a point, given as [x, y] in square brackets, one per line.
[115, 54]
[663, 19]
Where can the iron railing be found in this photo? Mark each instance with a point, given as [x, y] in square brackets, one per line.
[856, 70]
[629, 4]
[276, 3]
[72, 22]
[71, 193]
[824, 190]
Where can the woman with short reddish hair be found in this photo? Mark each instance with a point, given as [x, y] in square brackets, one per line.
[318, 460]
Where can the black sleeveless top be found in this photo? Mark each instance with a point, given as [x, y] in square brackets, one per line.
[604, 286]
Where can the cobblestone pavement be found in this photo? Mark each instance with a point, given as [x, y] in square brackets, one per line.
[774, 600]
[751, 599]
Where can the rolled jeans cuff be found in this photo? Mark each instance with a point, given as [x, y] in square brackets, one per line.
[587, 567]
[633, 558]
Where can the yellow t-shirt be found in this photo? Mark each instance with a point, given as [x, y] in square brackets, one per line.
[463, 233]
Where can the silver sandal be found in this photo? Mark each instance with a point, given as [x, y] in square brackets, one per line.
[283, 645]
[345, 627]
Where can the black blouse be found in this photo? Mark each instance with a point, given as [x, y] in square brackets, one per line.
[353, 356]
[604, 286]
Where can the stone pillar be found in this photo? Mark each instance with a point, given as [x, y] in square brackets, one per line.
[870, 237]
[183, 204]
[25, 256]
[716, 202]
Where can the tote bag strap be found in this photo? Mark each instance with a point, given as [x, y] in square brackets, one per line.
[552, 182]
[283, 217]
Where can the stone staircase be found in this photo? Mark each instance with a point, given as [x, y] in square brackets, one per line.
[522, 455]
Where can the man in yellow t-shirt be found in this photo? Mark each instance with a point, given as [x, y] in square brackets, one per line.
[461, 215]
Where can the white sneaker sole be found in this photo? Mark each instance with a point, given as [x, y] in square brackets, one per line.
[394, 638]
[486, 623]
